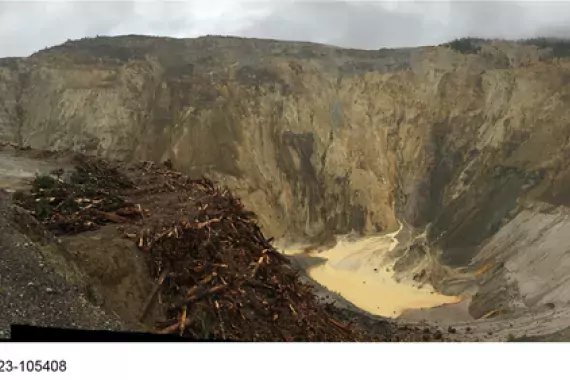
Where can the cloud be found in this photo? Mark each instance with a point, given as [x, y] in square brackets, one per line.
[372, 25]
[357, 25]
[26, 27]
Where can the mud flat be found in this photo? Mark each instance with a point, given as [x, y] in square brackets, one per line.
[361, 271]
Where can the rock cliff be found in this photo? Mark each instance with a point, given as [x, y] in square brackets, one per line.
[317, 140]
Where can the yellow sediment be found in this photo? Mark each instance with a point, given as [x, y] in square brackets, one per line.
[358, 271]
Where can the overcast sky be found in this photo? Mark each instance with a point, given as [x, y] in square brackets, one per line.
[26, 27]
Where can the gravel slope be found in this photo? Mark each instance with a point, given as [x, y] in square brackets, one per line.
[31, 292]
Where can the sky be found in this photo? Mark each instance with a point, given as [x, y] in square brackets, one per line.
[26, 27]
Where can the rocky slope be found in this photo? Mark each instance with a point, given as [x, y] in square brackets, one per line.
[320, 140]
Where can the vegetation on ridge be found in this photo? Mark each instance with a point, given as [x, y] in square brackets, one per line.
[466, 45]
[560, 46]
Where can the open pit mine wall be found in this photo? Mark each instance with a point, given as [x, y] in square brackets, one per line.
[316, 139]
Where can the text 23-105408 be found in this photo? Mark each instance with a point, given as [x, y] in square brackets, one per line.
[33, 366]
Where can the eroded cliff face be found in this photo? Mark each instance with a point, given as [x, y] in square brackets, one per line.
[317, 140]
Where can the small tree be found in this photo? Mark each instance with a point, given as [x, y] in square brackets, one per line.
[465, 45]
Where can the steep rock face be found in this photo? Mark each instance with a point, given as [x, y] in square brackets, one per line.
[317, 140]
[11, 87]
[525, 264]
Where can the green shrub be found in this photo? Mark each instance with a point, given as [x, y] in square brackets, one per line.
[465, 45]
[43, 210]
[43, 182]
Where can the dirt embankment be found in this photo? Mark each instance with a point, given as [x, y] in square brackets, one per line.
[37, 286]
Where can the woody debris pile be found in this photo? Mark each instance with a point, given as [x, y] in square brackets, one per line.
[88, 198]
[217, 276]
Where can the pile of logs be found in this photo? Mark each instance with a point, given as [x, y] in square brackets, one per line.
[220, 278]
[83, 200]
[217, 276]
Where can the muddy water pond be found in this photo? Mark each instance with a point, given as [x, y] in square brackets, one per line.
[360, 271]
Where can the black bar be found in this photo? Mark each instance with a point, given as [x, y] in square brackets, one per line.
[33, 334]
